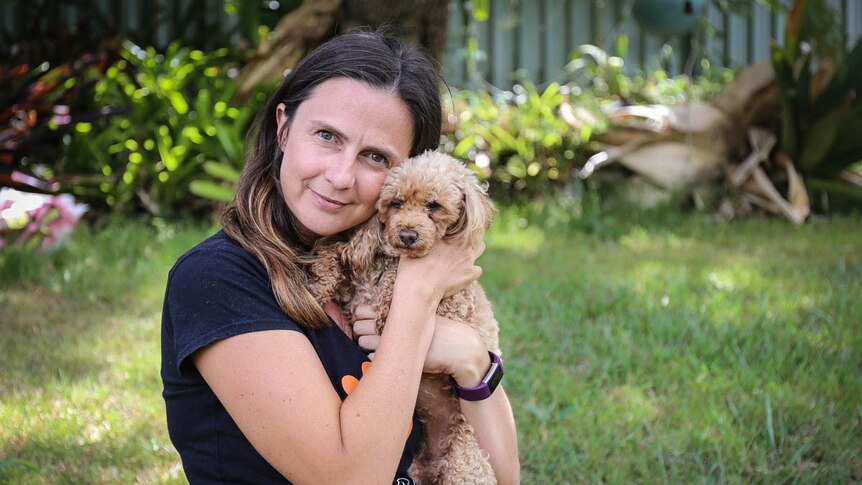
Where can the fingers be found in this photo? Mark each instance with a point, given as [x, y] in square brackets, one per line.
[364, 327]
[363, 321]
[368, 342]
[364, 312]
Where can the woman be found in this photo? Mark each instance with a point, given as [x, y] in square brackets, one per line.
[259, 384]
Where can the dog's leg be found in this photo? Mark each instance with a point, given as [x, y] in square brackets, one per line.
[450, 453]
[483, 320]
[383, 298]
[325, 274]
[466, 462]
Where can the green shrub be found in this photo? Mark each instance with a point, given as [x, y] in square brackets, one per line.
[607, 77]
[529, 142]
[173, 118]
[821, 112]
[519, 141]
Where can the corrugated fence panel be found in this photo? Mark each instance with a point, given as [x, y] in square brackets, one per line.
[547, 31]
[152, 22]
[536, 36]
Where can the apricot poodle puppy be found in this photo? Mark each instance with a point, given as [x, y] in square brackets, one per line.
[427, 198]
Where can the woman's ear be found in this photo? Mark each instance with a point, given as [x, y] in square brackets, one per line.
[281, 122]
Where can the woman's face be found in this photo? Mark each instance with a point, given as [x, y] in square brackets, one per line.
[339, 146]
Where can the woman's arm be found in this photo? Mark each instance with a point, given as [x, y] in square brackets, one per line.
[495, 428]
[275, 388]
[492, 418]
[456, 349]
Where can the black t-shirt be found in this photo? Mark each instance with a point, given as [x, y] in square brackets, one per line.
[215, 291]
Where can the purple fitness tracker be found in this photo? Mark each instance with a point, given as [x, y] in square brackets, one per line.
[488, 384]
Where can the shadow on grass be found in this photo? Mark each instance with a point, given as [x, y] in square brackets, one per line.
[46, 339]
[683, 353]
[129, 455]
[57, 308]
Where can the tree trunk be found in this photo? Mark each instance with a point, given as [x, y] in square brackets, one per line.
[418, 22]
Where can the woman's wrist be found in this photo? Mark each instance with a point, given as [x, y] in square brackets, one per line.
[476, 364]
[423, 295]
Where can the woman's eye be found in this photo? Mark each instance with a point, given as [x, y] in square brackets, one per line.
[378, 158]
[432, 206]
[326, 135]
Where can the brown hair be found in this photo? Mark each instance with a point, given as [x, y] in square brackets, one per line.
[258, 218]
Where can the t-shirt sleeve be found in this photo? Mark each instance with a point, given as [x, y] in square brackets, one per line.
[217, 293]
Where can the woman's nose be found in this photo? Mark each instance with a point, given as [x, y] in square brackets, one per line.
[340, 172]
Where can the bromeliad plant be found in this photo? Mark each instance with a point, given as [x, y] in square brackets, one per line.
[37, 103]
[820, 83]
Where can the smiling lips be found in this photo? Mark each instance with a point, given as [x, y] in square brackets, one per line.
[327, 203]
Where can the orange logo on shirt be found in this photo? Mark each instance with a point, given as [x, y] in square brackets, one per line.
[348, 383]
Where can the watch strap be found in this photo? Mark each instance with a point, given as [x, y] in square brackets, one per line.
[487, 386]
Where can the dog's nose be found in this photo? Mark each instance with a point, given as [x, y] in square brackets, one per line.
[408, 236]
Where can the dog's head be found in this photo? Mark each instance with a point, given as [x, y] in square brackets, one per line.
[430, 197]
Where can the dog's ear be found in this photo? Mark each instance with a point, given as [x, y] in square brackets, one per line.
[358, 254]
[388, 191]
[477, 213]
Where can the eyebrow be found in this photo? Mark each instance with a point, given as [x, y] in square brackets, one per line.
[390, 154]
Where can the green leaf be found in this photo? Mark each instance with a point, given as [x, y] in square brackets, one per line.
[837, 187]
[552, 96]
[621, 46]
[818, 140]
[222, 171]
[178, 102]
[10, 462]
[463, 147]
[211, 190]
[164, 144]
[480, 10]
[516, 167]
[232, 146]
[847, 80]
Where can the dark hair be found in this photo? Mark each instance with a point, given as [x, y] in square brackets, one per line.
[258, 218]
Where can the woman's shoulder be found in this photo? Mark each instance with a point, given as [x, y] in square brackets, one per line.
[218, 244]
[218, 253]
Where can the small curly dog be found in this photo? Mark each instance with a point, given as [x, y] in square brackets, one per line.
[425, 199]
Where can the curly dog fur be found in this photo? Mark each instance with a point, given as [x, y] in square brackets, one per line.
[425, 199]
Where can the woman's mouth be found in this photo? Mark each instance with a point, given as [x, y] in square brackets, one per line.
[327, 203]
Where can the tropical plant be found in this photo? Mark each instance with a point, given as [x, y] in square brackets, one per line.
[520, 140]
[173, 115]
[606, 74]
[37, 106]
[820, 81]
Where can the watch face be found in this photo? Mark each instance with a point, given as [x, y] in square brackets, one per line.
[495, 374]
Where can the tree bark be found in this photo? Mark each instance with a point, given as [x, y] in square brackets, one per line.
[421, 23]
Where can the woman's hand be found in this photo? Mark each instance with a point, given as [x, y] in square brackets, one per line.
[363, 329]
[456, 348]
[447, 269]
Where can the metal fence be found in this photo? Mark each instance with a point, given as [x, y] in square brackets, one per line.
[150, 22]
[536, 36]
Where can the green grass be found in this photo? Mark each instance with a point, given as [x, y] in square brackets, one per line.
[80, 390]
[639, 347]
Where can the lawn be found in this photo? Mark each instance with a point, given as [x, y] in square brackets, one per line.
[639, 348]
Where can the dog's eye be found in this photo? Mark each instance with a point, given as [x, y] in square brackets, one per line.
[396, 203]
[432, 206]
